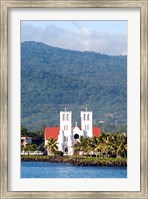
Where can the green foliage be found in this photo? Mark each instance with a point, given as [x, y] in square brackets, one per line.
[59, 153]
[30, 147]
[38, 135]
[107, 145]
[52, 146]
[82, 145]
[24, 131]
[54, 78]
[41, 147]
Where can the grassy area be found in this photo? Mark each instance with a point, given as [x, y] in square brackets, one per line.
[78, 160]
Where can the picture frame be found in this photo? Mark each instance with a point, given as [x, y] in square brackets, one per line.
[5, 5]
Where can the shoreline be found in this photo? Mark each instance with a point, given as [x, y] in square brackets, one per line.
[77, 160]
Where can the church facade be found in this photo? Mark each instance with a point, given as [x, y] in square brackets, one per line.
[66, 135]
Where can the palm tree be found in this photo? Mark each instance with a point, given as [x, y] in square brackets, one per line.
[52, 145]
[108, 144]
[93, 144]
[81, 145]
[121, 142]
[104, 146]
[118, 144]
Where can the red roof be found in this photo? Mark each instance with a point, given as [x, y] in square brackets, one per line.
[96, 131]
[51, 132]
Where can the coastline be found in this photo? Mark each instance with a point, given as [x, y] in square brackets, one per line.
[77, 160]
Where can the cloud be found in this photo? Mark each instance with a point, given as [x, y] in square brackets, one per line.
[81, 39]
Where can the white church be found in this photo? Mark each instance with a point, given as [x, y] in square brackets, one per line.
[66, 135]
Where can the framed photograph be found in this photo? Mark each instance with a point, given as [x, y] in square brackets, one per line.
[78, 65]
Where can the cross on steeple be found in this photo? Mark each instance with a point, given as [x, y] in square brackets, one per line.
[76, 124]
[65, 109]
[86, 109]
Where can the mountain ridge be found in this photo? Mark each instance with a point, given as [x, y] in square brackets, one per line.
[53, 78]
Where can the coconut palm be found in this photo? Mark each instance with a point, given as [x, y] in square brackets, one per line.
[118, 144]
[93, 144]
[104, 146]
[81, 145]
[121, 145]
[52, 145]
[114, 145]
[90, 146]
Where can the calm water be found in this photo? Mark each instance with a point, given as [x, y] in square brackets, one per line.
[60, 170]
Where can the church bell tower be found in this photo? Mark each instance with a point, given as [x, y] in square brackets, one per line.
[65, 136]
[86, 123]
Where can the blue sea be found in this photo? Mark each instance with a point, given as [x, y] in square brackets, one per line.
[60, 170]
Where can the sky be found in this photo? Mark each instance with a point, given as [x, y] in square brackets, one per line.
[105, 37]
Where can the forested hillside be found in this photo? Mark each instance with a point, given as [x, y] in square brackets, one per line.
[54, 78]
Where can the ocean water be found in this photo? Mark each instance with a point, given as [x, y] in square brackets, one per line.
[61, 170]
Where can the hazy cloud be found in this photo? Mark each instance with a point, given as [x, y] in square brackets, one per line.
[82, 38]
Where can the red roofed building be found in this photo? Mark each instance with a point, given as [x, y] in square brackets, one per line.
[96, 131]
[66, 135]
[53, 132]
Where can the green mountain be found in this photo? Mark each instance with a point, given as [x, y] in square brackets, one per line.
[54, 78]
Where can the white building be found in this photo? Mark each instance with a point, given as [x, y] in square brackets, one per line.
[67, 135]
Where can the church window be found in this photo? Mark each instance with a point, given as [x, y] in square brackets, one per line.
[63, 117]
[65, 138]
[65, 127]
[88, 117]
[87, 127]
[84, 117]
[67, 117]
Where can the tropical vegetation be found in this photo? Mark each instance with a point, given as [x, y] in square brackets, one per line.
[37, 135]
[107, 145]
[52, 146]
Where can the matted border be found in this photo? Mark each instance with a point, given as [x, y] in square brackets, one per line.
[5, 5]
